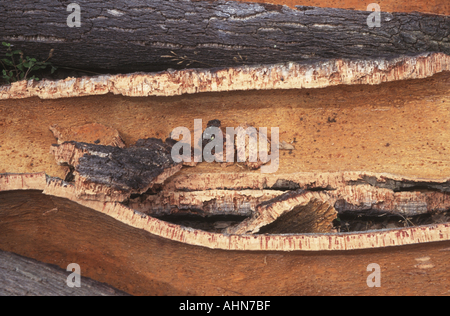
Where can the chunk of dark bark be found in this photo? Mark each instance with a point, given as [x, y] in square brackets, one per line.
[113, 174]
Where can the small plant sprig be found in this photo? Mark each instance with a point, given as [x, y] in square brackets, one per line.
[182, 59]
[17, 71]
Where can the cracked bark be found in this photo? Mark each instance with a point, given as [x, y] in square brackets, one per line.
[128, 36]
[110, 173]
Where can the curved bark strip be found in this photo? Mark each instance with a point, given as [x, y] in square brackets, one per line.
[277, 76]
[136, 36]
[289, 242]
[271, 211]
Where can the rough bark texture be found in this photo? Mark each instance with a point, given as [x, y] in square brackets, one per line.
[129, 36]
[279, 76]
[204, 203]
[113, 174]
[20, 276]
[314, 217]
[357, 199]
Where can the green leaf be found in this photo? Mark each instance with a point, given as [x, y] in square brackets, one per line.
[8, 54]
[17, 52]
[20, 67]
[53, 69]
[35, 68]
[22, 75]
[4, 72]
[26, 64]
[6, 44]
[7, 62]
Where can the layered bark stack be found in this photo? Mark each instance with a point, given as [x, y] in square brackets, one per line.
[145, 178]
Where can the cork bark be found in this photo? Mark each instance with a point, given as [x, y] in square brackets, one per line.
[59, 232]
[128, 36]
[291, 75]
[316, 242]
[108, 173]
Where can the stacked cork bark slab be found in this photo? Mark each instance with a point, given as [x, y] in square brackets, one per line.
[58, 231]
[370, 136]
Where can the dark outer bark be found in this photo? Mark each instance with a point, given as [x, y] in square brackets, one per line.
[126, 170]
[20, 276]
[216, 34]
[405, 185]
[140, 263]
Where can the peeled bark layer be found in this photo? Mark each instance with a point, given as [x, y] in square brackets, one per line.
[315, 242]
[303, 180]
[290, 75]
[263, 207]
[204, 203]
[367, 199]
